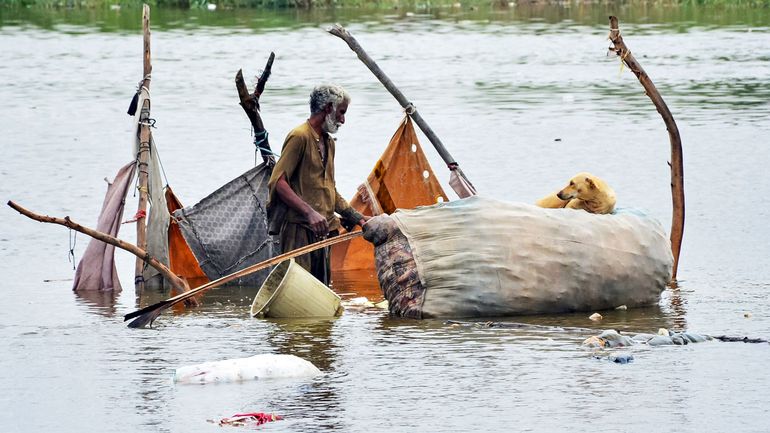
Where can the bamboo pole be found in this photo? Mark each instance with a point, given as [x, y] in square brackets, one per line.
[676, 163]
[411, 110]
[177, 282]
[147, 63]
[150, 313]
[250, 104]
[145, 138]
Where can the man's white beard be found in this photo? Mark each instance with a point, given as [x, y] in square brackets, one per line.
[330, 124]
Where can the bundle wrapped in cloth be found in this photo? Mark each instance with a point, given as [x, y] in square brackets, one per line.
[480, 257]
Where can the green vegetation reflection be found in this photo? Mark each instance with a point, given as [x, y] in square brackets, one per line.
[123, 15]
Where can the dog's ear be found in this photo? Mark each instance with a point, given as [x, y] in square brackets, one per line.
[590, 183]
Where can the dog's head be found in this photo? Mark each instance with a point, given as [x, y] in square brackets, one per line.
[582, 186]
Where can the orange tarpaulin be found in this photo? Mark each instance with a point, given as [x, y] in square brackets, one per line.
[181, 259]
[402, 178]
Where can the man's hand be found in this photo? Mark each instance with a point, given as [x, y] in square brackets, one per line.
[317, 223]
[315, 220]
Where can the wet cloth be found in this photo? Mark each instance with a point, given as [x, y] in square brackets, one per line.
[308, 176]
[157, 215]
[96, 270]
[227, 231]
[158, 219]
[181, 259]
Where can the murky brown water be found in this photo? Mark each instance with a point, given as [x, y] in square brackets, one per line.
[523, 98]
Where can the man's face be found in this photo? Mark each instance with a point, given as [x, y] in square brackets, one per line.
[335, 117]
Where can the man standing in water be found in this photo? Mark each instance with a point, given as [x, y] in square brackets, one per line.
[303, 194]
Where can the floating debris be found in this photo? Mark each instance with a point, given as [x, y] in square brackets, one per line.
[612, 338]
[360, 301]
[594, 341]
[250, 419]
[265, 366]
[621, 358]
[383, 305]
[595, 317]
[740, 339]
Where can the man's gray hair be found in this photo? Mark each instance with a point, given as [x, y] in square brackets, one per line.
[325, 94]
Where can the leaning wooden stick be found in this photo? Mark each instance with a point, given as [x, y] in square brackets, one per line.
[147, 58]
[148, 314]
[453, 165]
[145, 138]
[250, 104]
[676, 164]
[141, 254]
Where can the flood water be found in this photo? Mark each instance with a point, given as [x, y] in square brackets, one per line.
[522, 97]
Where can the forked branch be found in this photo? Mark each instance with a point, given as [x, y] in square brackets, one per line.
[676, 163]
[250, 104]
[178, 283]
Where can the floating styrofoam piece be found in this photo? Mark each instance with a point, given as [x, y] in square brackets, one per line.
[361, 301]
[266, 366]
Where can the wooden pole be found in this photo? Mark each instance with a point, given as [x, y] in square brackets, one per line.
[343, 34]
[250, 104]
[145, 138]
[148, 314]
[177, 282]
[676, 163]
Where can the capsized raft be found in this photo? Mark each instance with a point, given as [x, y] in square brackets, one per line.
[481, 257]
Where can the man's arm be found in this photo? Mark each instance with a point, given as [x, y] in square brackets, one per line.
[314, 219]
[350, 216]
[291, 157]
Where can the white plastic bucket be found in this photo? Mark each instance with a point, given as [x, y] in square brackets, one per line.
[291, 291]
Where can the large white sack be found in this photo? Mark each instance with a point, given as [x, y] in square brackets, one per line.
[266, 366]
[481, 257]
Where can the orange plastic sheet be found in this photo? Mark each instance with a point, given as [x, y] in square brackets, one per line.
[181, 259]
[402, 178]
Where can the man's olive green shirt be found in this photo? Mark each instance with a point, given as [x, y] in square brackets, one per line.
[308, 177]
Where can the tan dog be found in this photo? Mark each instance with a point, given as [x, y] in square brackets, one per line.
[585, 191]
